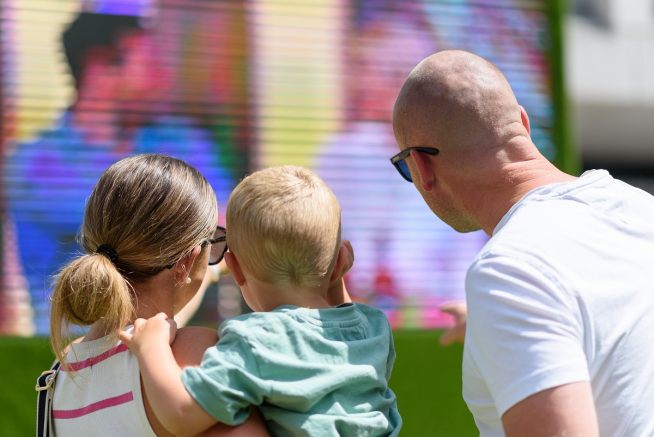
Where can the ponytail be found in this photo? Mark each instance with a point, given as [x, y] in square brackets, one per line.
[87, 290]
[146, 212]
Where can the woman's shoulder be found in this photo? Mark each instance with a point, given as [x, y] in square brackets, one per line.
[190, 344]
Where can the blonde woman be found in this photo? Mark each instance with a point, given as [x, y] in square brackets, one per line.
[149, 233]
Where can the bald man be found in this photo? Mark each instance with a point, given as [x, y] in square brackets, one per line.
[560, 336]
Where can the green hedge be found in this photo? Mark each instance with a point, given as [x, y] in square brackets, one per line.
[426, 379]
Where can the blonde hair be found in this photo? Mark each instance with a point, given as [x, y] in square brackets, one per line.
[283, 224]
[151, 210]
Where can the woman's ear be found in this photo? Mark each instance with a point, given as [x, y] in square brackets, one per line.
[235, 268]
[184, 265]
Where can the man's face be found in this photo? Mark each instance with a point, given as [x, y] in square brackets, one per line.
[439, 191]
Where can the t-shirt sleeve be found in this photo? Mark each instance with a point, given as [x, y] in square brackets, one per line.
[227, 381]
[525, 331]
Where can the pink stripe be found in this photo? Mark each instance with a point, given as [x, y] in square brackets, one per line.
[105, 403]
[78, 365]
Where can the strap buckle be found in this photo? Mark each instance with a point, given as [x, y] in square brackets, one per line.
[48, 381]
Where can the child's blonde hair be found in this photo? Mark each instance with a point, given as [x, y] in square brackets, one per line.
[283, 225]
[150, 210]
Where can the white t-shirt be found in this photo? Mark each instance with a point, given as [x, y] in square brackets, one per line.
[564, 292]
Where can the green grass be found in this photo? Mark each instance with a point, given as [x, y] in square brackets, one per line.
[426, 380]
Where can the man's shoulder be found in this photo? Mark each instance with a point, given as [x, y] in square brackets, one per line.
[536, 225]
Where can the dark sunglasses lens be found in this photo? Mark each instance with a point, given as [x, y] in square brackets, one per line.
[403, 168]
[217, 252]
[219, 247]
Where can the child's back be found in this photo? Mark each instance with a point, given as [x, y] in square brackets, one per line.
[311, 367]
[311, 372]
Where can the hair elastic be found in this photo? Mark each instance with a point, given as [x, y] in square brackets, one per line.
[108, 251]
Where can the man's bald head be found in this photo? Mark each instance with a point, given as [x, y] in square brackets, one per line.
[463, 105]
[461, 101]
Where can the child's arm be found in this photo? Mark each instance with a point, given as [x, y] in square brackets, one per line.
[171, 403]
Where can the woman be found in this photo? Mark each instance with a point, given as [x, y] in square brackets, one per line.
[149, 233]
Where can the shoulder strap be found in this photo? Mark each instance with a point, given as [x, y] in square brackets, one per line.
[44, 390]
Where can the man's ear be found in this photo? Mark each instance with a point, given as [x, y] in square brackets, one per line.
[235, 268]
[524, 117]
[422, 164]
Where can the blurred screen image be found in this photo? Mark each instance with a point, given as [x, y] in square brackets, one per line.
[230, 87]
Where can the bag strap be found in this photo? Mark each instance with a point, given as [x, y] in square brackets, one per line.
[45, 389]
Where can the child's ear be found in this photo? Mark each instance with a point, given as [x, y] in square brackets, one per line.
[337, 292]
[344, 261]
[235, 268]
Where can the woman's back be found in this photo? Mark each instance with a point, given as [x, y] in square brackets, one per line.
[99, 392]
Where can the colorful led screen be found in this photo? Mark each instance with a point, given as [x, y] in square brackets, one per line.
[233, 86]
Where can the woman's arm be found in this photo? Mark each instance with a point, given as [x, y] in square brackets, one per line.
[164, 393]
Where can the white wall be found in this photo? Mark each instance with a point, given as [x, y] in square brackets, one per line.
[609, 57]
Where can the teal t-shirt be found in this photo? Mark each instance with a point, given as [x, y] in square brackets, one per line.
[311, 372]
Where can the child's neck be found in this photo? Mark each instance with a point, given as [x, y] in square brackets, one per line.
[307, 299]
[271, 297]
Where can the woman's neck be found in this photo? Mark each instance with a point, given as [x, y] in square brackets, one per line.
[156, 295]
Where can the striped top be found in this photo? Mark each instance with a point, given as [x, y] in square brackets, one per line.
[103, 393]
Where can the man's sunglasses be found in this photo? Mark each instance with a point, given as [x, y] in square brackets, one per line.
[399, 160]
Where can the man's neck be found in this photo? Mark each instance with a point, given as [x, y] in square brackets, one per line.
[516, 180]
